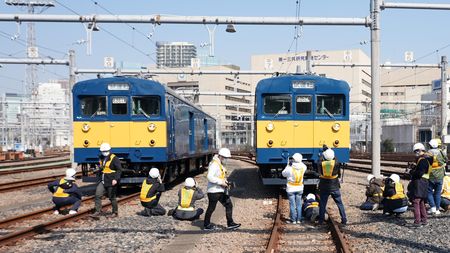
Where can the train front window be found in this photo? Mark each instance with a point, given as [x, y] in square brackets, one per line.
[147, 106]
[277, 104]
[119, 105]
[330, 104]
[93, 106]
[303, 104]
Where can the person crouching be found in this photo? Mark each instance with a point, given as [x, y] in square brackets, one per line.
[66, 192]
[311, 208]
[395, 200]
[187, 196]
[374, 194]
[151, 190]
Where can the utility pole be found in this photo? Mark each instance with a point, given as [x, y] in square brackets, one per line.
[444, 102]
[71, 83]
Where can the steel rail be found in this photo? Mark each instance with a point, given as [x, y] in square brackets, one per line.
[338, 237]
[11, 186]
[272, 244]
[37, 168]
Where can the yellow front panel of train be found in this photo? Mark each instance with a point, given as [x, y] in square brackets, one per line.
[325, 134]
[120, 134]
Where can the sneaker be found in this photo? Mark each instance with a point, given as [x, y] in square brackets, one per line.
[114, 215]
[210, 227]
[56, 212]
[344, 222]
[424, 224]
[72, 212]
[233, 225]
[96, 215]
[289, 221]
[417, 225]
[375, 207]
[432, 210]
[437, 212]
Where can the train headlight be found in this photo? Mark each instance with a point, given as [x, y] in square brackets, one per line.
[336, 143]
[270, 127]
[270, 143]
[85, 143]
[151, 127]
[336, 127]
[152, 142]
[85, 127]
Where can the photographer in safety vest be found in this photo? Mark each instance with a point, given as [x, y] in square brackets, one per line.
[436, 176]
[294, 187]
[395, 200]
[151, 190]
[110, 169]
[374, 194]
[329, 184]
[217, 183]
[187, 196]
[65, 192]
[418, 187]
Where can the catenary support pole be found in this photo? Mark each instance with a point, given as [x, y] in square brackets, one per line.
[376, 89]
[71, 83]
[444, 91]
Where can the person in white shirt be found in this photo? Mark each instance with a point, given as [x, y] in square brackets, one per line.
[217, 183]
[294, 187]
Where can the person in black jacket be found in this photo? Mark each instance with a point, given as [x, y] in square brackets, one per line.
[418, 187]
[395, 200]
[151, 190]
[65, 192]
[374, 194]
[187, 196]
[110, 169]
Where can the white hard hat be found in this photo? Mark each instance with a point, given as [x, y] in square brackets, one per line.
[328, 154]
[418, 146]
[70, 173]
[369, 177]
[225, 152]
[297, 157]
[105, 147]
[311, 196]
[189, 182]
[433, 143]
[395, 178]
[154, 173]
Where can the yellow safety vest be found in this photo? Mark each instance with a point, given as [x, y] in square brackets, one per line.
[446, 188]
[59, 193]
[186, 199]
[144, 191]
[106, 168]
[377, 195]
[399, 193]
[223, 172]
[313, 204]
[298, 178]
[430, 168]
[327, 169]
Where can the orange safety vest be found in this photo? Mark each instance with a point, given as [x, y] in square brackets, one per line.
[106, 168]
[144, 191]
[59, 193]
[298, 178]
[186, 199]
[399, 193]
[327, 169]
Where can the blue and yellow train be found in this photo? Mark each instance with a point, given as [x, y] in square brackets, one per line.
[147, 124]
[299, 113]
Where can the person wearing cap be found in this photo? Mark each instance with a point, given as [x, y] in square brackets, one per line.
[311, 208]
[329, 173]
[445, 196]
[187, 196]
[151, 190]
[65, 192]
[395, 200]
[374, 194]
[110, 170]
[294, 187]
[217, 183]
[418, 186]
[436, 176]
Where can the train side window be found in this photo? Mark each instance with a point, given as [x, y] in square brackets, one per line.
[277, 104]
[93, 105]
[330, 104]
[146, 106]
[303, 104]
[119, 105]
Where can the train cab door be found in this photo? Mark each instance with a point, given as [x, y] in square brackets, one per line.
[303, 124]
[119, 125]
[191, 132]
[171, 129]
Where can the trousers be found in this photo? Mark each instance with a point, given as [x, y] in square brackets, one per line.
[225, 200]
[110, 193]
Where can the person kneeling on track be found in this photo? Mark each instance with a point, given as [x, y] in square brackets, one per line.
[151, 190]
[374, 194]
[65, 192]
[294, 187]
[445, 196]
[187, 196]
[311, 208]
[395, 200]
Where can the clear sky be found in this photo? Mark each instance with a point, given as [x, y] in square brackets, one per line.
[425, 32]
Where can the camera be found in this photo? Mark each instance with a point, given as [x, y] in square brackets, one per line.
[230, 185]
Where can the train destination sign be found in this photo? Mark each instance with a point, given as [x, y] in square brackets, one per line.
[303, 84]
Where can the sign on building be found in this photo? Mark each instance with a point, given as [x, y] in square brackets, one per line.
[409, 56]
[195, 63]
[108, 62]
[268, 64]
[33, 52]
[348, 55]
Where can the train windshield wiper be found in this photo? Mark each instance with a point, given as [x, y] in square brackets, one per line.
[328, 112]
[95, 113]
[279, 111]
[145, 114]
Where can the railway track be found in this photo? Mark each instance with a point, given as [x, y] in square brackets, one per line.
[11, 186]
[36, 160]
[33, 168]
